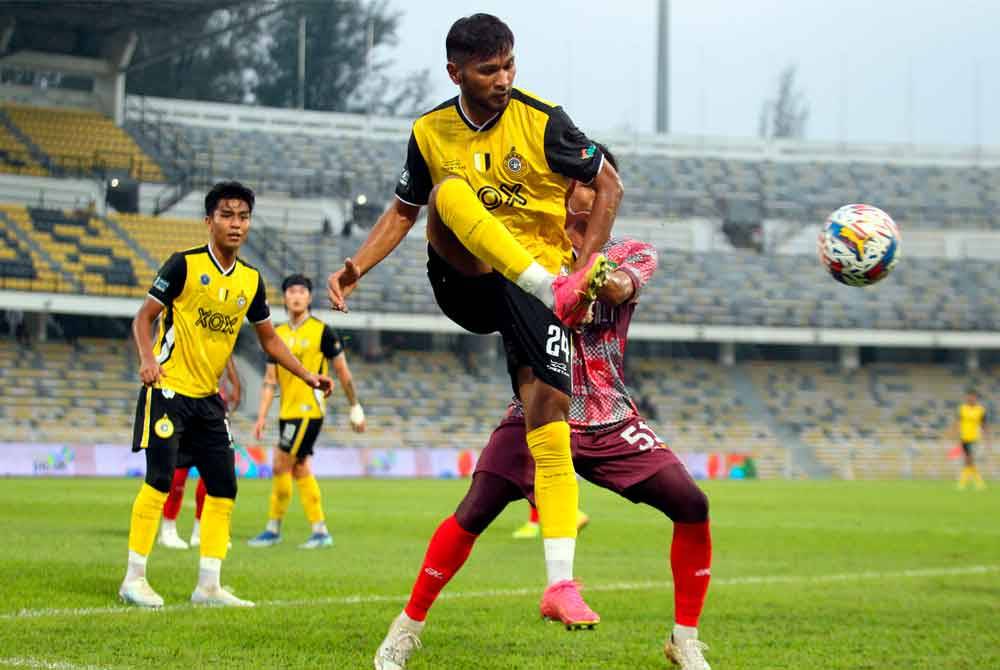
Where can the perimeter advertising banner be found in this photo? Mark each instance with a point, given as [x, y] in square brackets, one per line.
[110, 460]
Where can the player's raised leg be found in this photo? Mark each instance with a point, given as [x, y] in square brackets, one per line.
[672, 491]
[168, 536]
[447, 552]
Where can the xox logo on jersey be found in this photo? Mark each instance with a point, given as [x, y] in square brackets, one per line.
[507, 194]
[217, 322]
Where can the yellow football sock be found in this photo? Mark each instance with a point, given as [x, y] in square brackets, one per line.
[146, 512]
[482, 233]
[963, 479]
[977, 478]
[312, 499]
[281, 496]
[557, 494]
[216, 517]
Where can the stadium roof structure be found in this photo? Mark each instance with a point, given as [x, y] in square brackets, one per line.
[83, 28]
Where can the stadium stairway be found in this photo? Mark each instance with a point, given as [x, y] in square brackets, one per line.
[21, 231]
[802, 459]
[36, 152]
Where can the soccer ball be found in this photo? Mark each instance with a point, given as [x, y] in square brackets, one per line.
[859, 245]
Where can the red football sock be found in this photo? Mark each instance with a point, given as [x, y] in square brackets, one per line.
[199, 498]
[176, 496]
[446, 553]
[690, 561]
[533, 517]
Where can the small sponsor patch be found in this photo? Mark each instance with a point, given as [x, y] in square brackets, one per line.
[205, 280]
[161, 284]
[588, 152]
[404, 178]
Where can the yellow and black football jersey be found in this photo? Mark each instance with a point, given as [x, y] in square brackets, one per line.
[312, 342]
[519, 163]
[971, 419]
[205, 305]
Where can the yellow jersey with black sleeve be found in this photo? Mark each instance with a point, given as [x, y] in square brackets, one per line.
[204, 307]
[971, 419]
[519, 163]
[313, 343]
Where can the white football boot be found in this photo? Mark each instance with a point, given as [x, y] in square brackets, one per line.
[138, 592]
[169, 538]
[401, 641]
[217, 596]
[688, 654]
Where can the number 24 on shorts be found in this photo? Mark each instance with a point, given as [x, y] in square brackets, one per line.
[640, 435]
[557, 342]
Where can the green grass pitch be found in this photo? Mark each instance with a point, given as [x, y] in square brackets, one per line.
[806, 575]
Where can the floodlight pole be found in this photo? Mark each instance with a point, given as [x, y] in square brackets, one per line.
[663, 68]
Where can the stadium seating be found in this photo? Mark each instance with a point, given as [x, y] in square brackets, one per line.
[79, 140]
[21, 267]
[15, 158]
[882, 420]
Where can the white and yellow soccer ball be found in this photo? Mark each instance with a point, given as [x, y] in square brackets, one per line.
[859, 245]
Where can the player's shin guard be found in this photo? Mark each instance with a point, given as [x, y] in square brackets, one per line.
[146, 512]
[172, 506]
[281, 496]
[690, 562]
[312, 499]
[479, 231]
[447, 552]
[215, 524]
[557, 494]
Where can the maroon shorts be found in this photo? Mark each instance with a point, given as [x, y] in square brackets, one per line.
[615, 458]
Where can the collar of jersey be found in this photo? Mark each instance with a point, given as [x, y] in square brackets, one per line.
[492, 121]
[217, 264]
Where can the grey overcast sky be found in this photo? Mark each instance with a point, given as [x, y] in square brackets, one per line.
[871, 71]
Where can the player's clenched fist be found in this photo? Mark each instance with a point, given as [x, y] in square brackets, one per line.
[321, 382]
[150, 373]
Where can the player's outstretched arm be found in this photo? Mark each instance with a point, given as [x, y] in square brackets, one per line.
[609, 191]
[266, 398]
[343, 372]
[385, 236]
[142, 330]
[274, 347]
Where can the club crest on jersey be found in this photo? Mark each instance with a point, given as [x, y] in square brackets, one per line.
[164, 427]
[241, 300]
[514, 164]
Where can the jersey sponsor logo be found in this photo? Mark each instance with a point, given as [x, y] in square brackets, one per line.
[404, 178]
[514, 164]
[453, 165]
[164, 427]
[205, 279]
[217, 322]
[588, 152]
[161, 284]
[507, 194]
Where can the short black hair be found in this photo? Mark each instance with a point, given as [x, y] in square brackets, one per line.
[297, 279]
[479, 36]
[227, 190]
[608, 156]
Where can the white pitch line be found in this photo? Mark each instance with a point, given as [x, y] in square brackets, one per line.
[20, 662]
[363, 599]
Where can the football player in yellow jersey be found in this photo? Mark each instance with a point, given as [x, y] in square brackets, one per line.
[971, 428]
[202, 295]
[494, 166]
[301, 416]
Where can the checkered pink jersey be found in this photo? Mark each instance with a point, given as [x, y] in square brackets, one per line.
[600, 396]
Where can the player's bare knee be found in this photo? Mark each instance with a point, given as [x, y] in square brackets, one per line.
[301, 469]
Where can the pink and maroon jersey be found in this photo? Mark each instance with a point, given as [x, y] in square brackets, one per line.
[600, 396]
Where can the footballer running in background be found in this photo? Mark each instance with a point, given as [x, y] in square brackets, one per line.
[613, 447]
[493, 166]
[204, 294]
[971, 427]
[300, 418]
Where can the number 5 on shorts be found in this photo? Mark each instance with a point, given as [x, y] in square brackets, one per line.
[641, 436]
